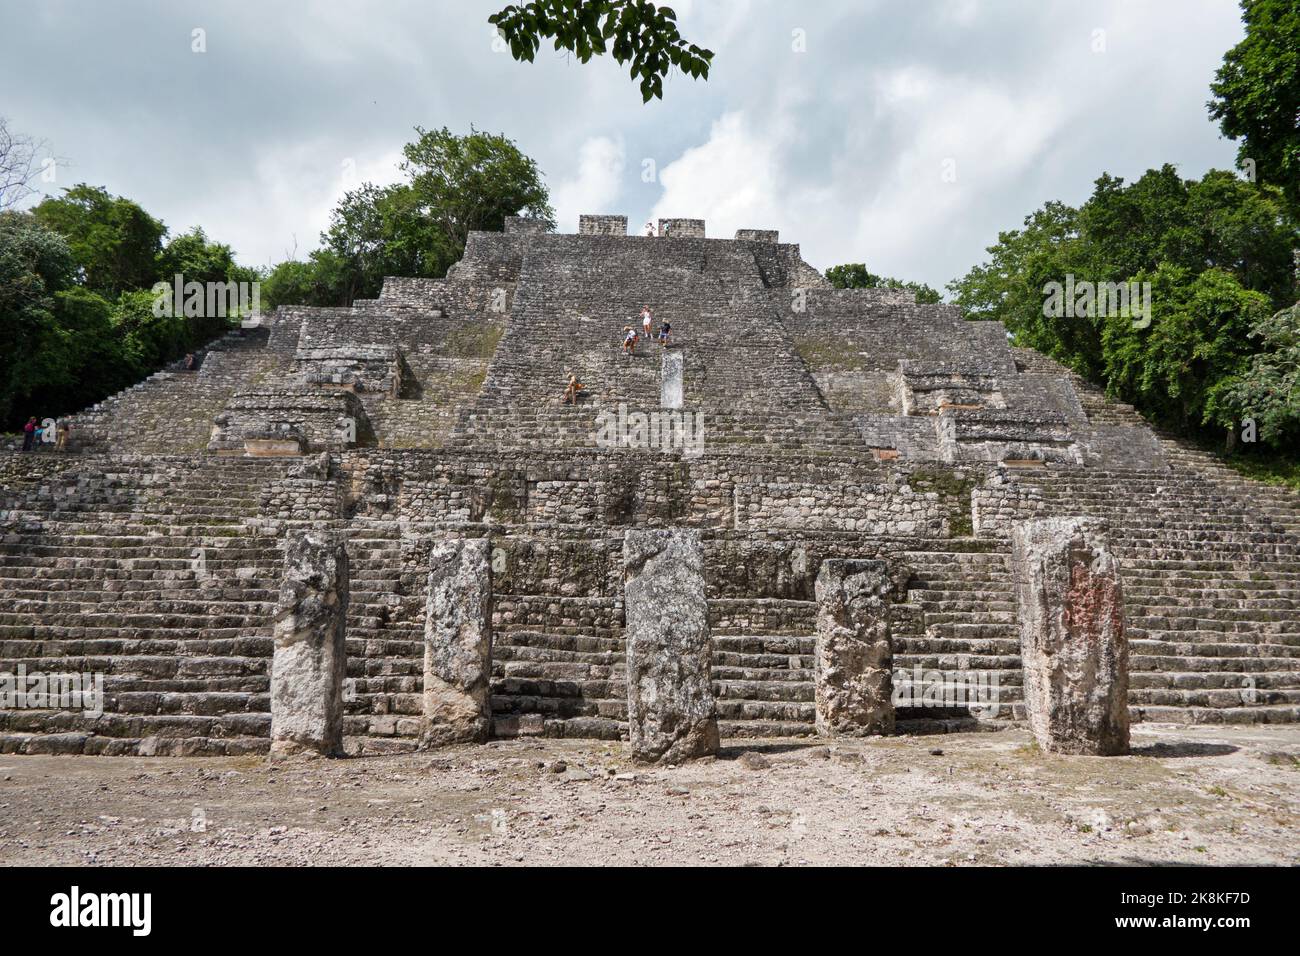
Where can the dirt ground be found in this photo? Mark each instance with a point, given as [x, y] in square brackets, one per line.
[1187, 795]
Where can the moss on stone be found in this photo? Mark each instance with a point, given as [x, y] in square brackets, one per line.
[955, 493]
[822, 352]
[474, 341]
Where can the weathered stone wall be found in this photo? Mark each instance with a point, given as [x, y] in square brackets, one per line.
[641, 489]
[999, 505]
[806, 456]
[681, 228]
[325, 419]
[523, 224]
[594, 225]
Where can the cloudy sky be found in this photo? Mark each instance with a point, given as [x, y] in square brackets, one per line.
[900, 134]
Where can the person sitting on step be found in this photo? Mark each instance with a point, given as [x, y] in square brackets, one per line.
[571, 391]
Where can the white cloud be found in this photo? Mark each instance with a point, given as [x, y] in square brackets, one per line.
[962, 144]
[731, 180]
[595, 185]
[286, 201]
[838, 147]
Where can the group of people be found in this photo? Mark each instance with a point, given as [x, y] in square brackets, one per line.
[56, 432]
[630, 339]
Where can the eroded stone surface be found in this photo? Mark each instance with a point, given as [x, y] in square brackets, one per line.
[801, 392]
[310, 660]
[853, 663]
[671, 711]
[1072, 642]
[458, 644]
[672, 379]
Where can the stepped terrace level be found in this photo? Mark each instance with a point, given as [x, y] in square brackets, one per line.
[787, 421]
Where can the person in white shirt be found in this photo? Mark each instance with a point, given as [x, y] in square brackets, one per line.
[649, 228]
[646, 321]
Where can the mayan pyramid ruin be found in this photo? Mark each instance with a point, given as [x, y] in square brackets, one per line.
[789, 424]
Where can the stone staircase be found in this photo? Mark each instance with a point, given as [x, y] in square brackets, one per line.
[171, 411]
[1212, 590]
[154, 573]
[142, 557]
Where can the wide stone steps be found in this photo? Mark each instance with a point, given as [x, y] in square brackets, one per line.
[1227, 698]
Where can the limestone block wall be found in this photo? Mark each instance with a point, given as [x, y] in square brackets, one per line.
[515, 225]
[321, 416]
[910, 437]
[681, 228]
[306, 493]
[490, 292]
[999, 505]
[926, 388]
[1002, 435]
[867, 509]
[646, 490]
[599, 225]
[365, 368]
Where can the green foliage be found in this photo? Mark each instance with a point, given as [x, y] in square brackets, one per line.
[192, 255]
[148, 338]
[294, 282]
[78, 317]
[85, 357]
[456, 185]
[1217, 252]
[1257, 94]
[57, 347]
[35, 265]
[377, 231]
[1270, 469]
[1178, 368]
[1268, 390]
[632, 31]
[472, 182]
[115, 242]
[854, 275]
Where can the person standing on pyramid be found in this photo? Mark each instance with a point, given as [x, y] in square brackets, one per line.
[646, 320]
[29, 433]
[649, 230]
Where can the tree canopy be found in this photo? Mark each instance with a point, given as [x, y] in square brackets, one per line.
[455, 185]
[1257, 94]
[854, 275]
[78, 316]
[1216, 253]
[634, 32]
[115, 242]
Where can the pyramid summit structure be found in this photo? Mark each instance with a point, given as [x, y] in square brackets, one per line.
[787, 423]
